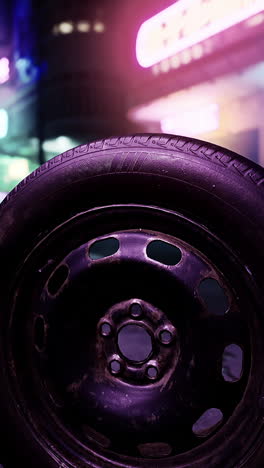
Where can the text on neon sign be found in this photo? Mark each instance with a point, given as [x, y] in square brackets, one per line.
[188, 22]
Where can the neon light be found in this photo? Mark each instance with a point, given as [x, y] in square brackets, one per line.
[187, 23]
[3, 123]
[66, 27]
[99, 27]
[193, 121]
[4, 70]
[83, 26]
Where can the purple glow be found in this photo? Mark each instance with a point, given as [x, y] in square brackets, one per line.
[4, 70]
[187, 23]
[192, 122]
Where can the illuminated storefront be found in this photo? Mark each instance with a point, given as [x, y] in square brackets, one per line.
[202, 73]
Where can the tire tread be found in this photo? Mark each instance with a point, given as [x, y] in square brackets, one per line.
[223, 157]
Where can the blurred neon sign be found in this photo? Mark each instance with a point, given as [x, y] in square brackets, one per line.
[188, 22]
[4, 70]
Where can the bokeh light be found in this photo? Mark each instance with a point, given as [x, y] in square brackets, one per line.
[66, 27]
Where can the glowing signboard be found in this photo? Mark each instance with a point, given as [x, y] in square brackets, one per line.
[188, 22]
[4, 70]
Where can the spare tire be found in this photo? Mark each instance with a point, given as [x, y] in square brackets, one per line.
[131, 308]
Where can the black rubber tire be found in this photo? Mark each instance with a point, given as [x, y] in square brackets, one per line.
[211, 185]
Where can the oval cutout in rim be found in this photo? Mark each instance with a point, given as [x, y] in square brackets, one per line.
[214, 297]
[155, 450]
[163, 252]
[103, 248]
[58, 279]
[232, 363]
[208, 422]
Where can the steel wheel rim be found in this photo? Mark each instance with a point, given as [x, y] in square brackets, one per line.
[47, 273]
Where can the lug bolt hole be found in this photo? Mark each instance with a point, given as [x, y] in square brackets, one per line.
[106, 329]
[136, 310]
[165, 337]
[115, 367]
[152, 372]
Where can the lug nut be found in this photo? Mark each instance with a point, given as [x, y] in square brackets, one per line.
[135, 310]
[152, 372]
[106, 329]
[115, 367]
[165, 337]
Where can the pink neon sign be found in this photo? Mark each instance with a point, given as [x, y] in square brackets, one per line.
[4, 70]
[188, 22]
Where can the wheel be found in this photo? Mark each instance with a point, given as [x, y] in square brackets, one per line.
[132, 308]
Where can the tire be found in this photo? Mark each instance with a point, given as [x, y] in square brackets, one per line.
[197, 198]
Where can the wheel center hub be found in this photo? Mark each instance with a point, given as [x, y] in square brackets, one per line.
[138, 342]
[134, 343]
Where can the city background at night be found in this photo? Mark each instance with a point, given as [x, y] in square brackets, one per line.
[71, 72]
